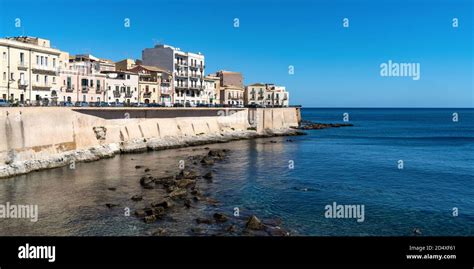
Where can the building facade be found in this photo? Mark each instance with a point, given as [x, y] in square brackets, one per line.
[231, 88]
[186, 68]
[82, 80]
[28, 70]
[266, 95]
[122, 87]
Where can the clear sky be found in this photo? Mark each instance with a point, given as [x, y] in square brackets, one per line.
[333, 66]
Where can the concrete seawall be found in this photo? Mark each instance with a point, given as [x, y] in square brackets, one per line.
[36, 138]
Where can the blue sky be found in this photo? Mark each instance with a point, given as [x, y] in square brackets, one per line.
[334, 66]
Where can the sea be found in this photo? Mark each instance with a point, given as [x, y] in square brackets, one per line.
[409, 169]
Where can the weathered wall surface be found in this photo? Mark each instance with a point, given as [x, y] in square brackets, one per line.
[37, 133]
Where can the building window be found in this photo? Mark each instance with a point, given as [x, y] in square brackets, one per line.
[54, 79]
[22, 58]
[37, 60]
[54, 62]
[117, 88]
[42, 60]
[92, 83]
[69, 82]
[37, 78]
[45, 80]
[46, 61]
[4, 56]
[12, 76]
[4, 75]
[98, 84]
[128, 76]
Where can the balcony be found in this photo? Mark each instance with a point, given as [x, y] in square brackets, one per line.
[116, 94]
[196, 87]
[22, 66]
[22, 83]
[67, 88]
[44, 70]
[99, 90]
[85, 89]
[182, 86]
[181, 74]
[128, 95]
[147, 95]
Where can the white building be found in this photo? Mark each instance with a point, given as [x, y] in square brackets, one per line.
[28, 70]
[187, 69]
[122, 87]
[266, 95]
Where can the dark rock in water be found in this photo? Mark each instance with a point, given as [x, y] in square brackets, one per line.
[290, 140]
[273, 141]
[203, 221]
[159, 232]
[110, 205]
[276, 231]
[187, 203]
[148, 211]
[178, 193]
[166, 181]
[147, 170]
[254, 224]
[149, 219]
[231, 229]
[138, 166]
[212, 201]
[112, 189]
[219, 217]
[308, 125]
[196, 192]
[208, 175]
[189, 174]
[272, 222]
[206, 148]
[197, 198]
[140, 213]
[166, 203]
[207, 160]
[197, 231]
[417, 231]
[184, 183]
[218, 153]
[137, 197]
[146, 181]
[158, 211]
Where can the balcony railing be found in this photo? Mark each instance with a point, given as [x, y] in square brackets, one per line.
[67, 88]
[116, 94]
[146, 94]
[85, 89]
[128, 95]
[22, 83]
[22, 65]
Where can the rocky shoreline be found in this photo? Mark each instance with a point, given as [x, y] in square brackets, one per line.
[20, 167]
[309, 125]
[179, 192]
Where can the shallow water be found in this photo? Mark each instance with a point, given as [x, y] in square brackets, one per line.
[350, 165]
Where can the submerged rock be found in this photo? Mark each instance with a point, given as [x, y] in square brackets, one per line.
[166, 203]
[254, 223]
[178, 193]
[110, 205]
[184, 183]
[220, 217]
[137, 197]
[204, 221]
[112, 189]
[207, 160]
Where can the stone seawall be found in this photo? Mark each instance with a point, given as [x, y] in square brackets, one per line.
[37, 138]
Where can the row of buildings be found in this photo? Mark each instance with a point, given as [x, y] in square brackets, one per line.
[33, 72]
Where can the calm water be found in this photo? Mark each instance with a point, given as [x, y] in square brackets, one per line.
[352, 165]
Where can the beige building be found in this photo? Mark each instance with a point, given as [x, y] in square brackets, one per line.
[29, 70]
[266, 95]
[82, 80]
[231, 88]
[154, 83]
[122, 87]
